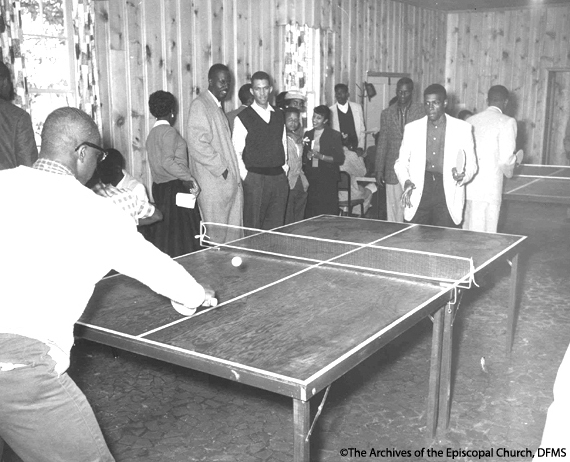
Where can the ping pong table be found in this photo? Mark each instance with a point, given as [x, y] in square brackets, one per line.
[293, 327]
[539, 183]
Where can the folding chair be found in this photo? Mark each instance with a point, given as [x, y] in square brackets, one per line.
[345, 207]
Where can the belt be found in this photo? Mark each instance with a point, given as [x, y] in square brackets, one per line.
[270, 171]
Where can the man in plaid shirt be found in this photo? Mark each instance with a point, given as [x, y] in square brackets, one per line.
[143, 212]
[60, 241]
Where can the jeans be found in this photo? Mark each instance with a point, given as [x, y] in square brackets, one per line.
[44, 417]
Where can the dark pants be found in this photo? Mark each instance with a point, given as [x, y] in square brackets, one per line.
[296, 203]
[433, 208]
[264, 200]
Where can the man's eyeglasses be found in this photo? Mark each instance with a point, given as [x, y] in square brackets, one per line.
[102, 152]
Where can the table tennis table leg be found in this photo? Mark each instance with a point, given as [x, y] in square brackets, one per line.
[301, 425]
[435, 371]
[512, 302]
[446, 360]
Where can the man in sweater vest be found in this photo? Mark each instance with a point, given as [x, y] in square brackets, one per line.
[260, 143]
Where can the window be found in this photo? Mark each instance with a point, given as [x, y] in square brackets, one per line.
[48, 48]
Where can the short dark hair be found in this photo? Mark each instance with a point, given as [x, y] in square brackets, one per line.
[341, 86]
[498, 93]
[404, 81]
[111, 165]
[464, 114]
[291, 110]
[261, 75]
[324, 111]
[244, 93]
[436, 89]
[217, 68]
[161, 103]
[66, 127]
[114, 157]
[280, 100]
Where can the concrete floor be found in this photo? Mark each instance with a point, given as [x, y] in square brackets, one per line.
[152, 411]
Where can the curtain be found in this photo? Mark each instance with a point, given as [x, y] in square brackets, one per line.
[298, 56]
[85, 60]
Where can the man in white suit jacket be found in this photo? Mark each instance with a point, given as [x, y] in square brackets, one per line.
[348, 108]
[437, 159]
[495, 142]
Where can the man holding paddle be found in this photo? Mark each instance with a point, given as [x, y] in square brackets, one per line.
[436, 160]
[62, 239]
[495, 138]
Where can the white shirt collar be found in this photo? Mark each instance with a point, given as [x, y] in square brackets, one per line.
[496, 108]
[161, 122]
[343, 107]
[258, 108]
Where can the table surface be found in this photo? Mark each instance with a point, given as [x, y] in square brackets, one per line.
[285, 325]
[539, 183]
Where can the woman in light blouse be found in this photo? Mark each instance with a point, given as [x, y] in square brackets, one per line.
[324, 154]
[168, 159]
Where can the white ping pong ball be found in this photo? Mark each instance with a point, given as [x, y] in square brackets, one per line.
[236, 261]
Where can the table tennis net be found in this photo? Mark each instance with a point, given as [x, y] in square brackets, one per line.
[543, 172]
[426, 266]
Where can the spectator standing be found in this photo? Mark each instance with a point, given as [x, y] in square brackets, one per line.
[348, 119]
[17, 141]
[168, 159]
[324, 153]
[213, 159]
[246, 99]
[261, 144]
[392, 122]
[298, 184]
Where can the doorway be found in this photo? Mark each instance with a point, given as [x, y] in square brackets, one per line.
[385, 86]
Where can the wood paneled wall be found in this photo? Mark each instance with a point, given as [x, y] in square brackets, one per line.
[514, 48]
[149, 45]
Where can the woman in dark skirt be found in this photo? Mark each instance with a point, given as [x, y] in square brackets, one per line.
[324, 155]
[168, 159]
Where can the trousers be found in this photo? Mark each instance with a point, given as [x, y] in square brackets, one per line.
[433, 206]
[44, 417]
[264, 200]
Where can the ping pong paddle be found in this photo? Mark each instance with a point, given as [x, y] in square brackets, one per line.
[185, 311]
[519, 155]
[460, 162]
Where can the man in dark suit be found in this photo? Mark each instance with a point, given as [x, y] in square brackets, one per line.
[392, 122]
[17, 142]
